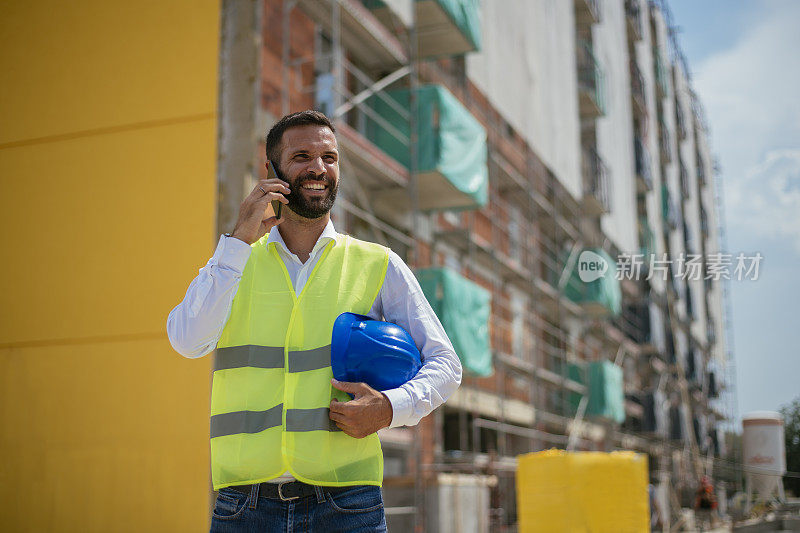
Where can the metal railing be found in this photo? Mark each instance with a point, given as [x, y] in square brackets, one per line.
[633, 12]
[661, 72]
[642, 163]
[668, 212]
[703, 220]
[637, 87]
[680, 118]
[588, 11]
[684, 179]
[590, 75]
[596, 178]
[663, 142]
[701, 169]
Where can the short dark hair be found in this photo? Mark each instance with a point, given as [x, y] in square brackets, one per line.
[309, 117]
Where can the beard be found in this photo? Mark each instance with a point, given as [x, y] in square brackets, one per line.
[311, 207]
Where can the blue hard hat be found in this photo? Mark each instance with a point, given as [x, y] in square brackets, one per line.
[381, 354]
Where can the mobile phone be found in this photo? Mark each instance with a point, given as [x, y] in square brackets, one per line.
[277, 206]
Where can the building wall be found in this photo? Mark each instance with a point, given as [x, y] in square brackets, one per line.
[301, 76]
[644, 54]
[670, 170]
[691, 215]
[526, 68]
[713, 245]
[614, 128]
[107, 157]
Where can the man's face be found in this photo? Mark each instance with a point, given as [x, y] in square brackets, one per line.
[310, 163]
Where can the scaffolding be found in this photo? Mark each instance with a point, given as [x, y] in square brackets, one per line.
[521, 247]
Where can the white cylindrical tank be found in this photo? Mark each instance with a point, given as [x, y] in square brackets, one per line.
[764, 451]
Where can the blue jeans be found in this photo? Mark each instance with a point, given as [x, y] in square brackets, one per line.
[357, 509]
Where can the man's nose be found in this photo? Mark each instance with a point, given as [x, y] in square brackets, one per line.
[316, 166]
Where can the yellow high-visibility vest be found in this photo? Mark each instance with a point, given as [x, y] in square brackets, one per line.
[272, 375]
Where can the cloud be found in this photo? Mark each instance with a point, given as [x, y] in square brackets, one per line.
[766, 200]
[750, 93]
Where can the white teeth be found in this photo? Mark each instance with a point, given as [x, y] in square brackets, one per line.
[315, 186]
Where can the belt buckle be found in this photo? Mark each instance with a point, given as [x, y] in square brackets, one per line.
[280, 492]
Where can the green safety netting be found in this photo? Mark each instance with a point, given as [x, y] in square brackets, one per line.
[606, 397]
[451, 142]
[463, 307]
[666, 204]
[604, 290]
[465, 14]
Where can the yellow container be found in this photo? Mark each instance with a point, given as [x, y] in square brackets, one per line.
[562, 491]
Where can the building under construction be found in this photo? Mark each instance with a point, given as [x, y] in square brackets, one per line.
[514, 152]
[492, 144]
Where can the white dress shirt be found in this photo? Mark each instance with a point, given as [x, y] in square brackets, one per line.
[195, 325]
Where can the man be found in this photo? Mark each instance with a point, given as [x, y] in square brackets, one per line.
[705, 504]
[289, 449]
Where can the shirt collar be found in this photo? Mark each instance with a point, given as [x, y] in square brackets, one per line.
[328, 234]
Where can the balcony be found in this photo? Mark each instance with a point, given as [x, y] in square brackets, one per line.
[637, 90]
[687, 240]
[451, 164]
[689, 303]
[668, 212]
[444, 27]
[701, 169]
[680, 119]
[684, 179]
[463, 307]
[447, 27]
[600, 297]
[669, 348]
[664, 142]
[661, 73]
[644, 180]
[655, 413]
[595, 181]
[703, 221]
[634, 20]
[713, 390]
[711, 332]
[634, 322]
[690, 369]
[587, 12]
[591, 88]
[369, 41]
[647, 244]
[641, 322]
[677, 423]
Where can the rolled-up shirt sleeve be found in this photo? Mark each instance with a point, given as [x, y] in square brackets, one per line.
[195, 325]
[401, 301]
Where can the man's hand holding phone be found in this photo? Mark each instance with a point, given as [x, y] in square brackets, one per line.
[256, 213]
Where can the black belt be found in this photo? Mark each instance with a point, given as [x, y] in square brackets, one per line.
[287, 490]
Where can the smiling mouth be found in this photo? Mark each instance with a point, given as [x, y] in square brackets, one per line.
[314, 186]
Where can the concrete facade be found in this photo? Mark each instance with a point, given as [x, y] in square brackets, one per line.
[526, 69]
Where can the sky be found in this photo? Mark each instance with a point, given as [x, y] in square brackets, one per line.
[744, 57]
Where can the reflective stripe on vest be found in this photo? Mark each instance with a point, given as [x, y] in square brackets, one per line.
[272, 357]
[257, 421]
[271, 390]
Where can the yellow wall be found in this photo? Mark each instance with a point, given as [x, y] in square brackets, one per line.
[107, 208]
